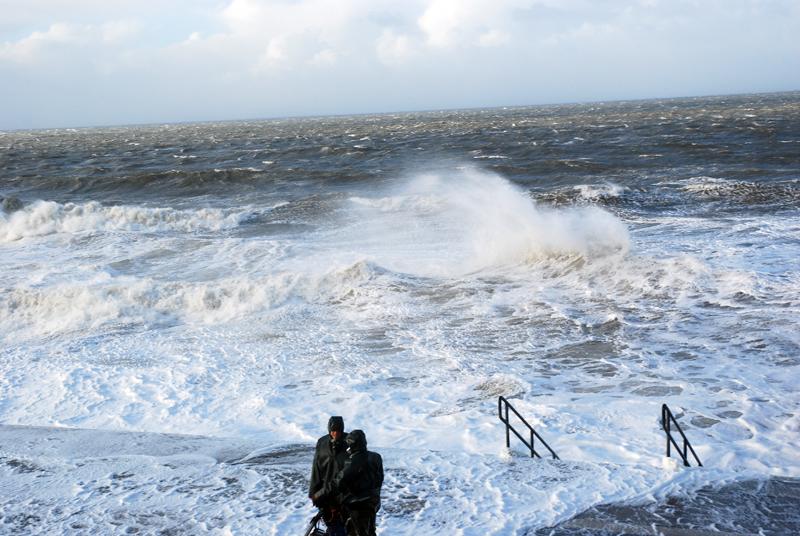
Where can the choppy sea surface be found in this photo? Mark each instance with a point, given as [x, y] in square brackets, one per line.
[248, 279]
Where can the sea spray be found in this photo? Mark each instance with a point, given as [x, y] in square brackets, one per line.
[467, 221]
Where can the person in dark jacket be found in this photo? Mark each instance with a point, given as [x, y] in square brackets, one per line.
[329, 459]
[358, 486]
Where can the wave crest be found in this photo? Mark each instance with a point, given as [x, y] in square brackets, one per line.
[47, 217]
[117, 302]
[470, 221]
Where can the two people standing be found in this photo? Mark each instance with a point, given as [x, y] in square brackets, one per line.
[346, 481]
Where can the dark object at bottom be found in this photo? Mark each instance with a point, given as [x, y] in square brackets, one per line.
[313, 526]
[667, 420]
[361, 521]
[764, 507]
[331, 519]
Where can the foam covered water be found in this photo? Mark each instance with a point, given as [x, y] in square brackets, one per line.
[46, 217]
[406, 290]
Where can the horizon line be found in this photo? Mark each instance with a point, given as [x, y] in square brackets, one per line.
[392, 112]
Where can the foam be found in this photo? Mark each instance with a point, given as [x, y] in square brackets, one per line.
[136, 482]
[42, 218]
[713, 188]
[593, 192]
[107, 300]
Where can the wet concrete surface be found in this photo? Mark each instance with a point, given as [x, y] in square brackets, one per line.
[750, 507]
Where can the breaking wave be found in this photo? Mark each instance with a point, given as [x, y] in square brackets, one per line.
[47, 217]
[474, 220]
[116, 302]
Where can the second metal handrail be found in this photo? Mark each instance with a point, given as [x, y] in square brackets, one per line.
[666, 418]
[503, 403]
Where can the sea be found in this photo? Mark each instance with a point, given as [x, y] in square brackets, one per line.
[183, 306]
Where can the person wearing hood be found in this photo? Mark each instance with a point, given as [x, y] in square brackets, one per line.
[329, 459]
[358, 485]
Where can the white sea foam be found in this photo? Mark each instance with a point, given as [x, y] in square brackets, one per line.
[702, 185]
[595, 191]
[47, 217]
[106, 301]
[138, 482]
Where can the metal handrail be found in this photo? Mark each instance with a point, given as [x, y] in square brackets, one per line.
[501, 401]
[666, 418]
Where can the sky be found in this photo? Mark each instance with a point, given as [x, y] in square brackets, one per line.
[106, 62]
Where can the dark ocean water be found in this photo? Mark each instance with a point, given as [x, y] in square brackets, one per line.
[751, 142]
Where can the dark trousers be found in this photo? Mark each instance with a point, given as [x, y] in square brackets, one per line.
[334, 524]
[361, 521]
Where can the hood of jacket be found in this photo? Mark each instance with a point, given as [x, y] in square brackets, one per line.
[356, 441]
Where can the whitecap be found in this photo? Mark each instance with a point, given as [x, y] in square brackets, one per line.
[43, 218]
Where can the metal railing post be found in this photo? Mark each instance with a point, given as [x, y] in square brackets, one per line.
[506, 419]
[666, 417]
[533, 450]
[508, 429]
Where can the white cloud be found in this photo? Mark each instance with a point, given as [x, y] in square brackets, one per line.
[324, 57]
[449, 22]
[441, 21]
[117, 32]
[259, 37]
[275, 53]
[30, 49]
[65, 39]
[490, 23]
[494, 38]
[393, 48]
[24, 13]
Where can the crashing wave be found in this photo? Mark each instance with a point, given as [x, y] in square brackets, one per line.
[116, 301]
[475, 220]
[47, 217]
